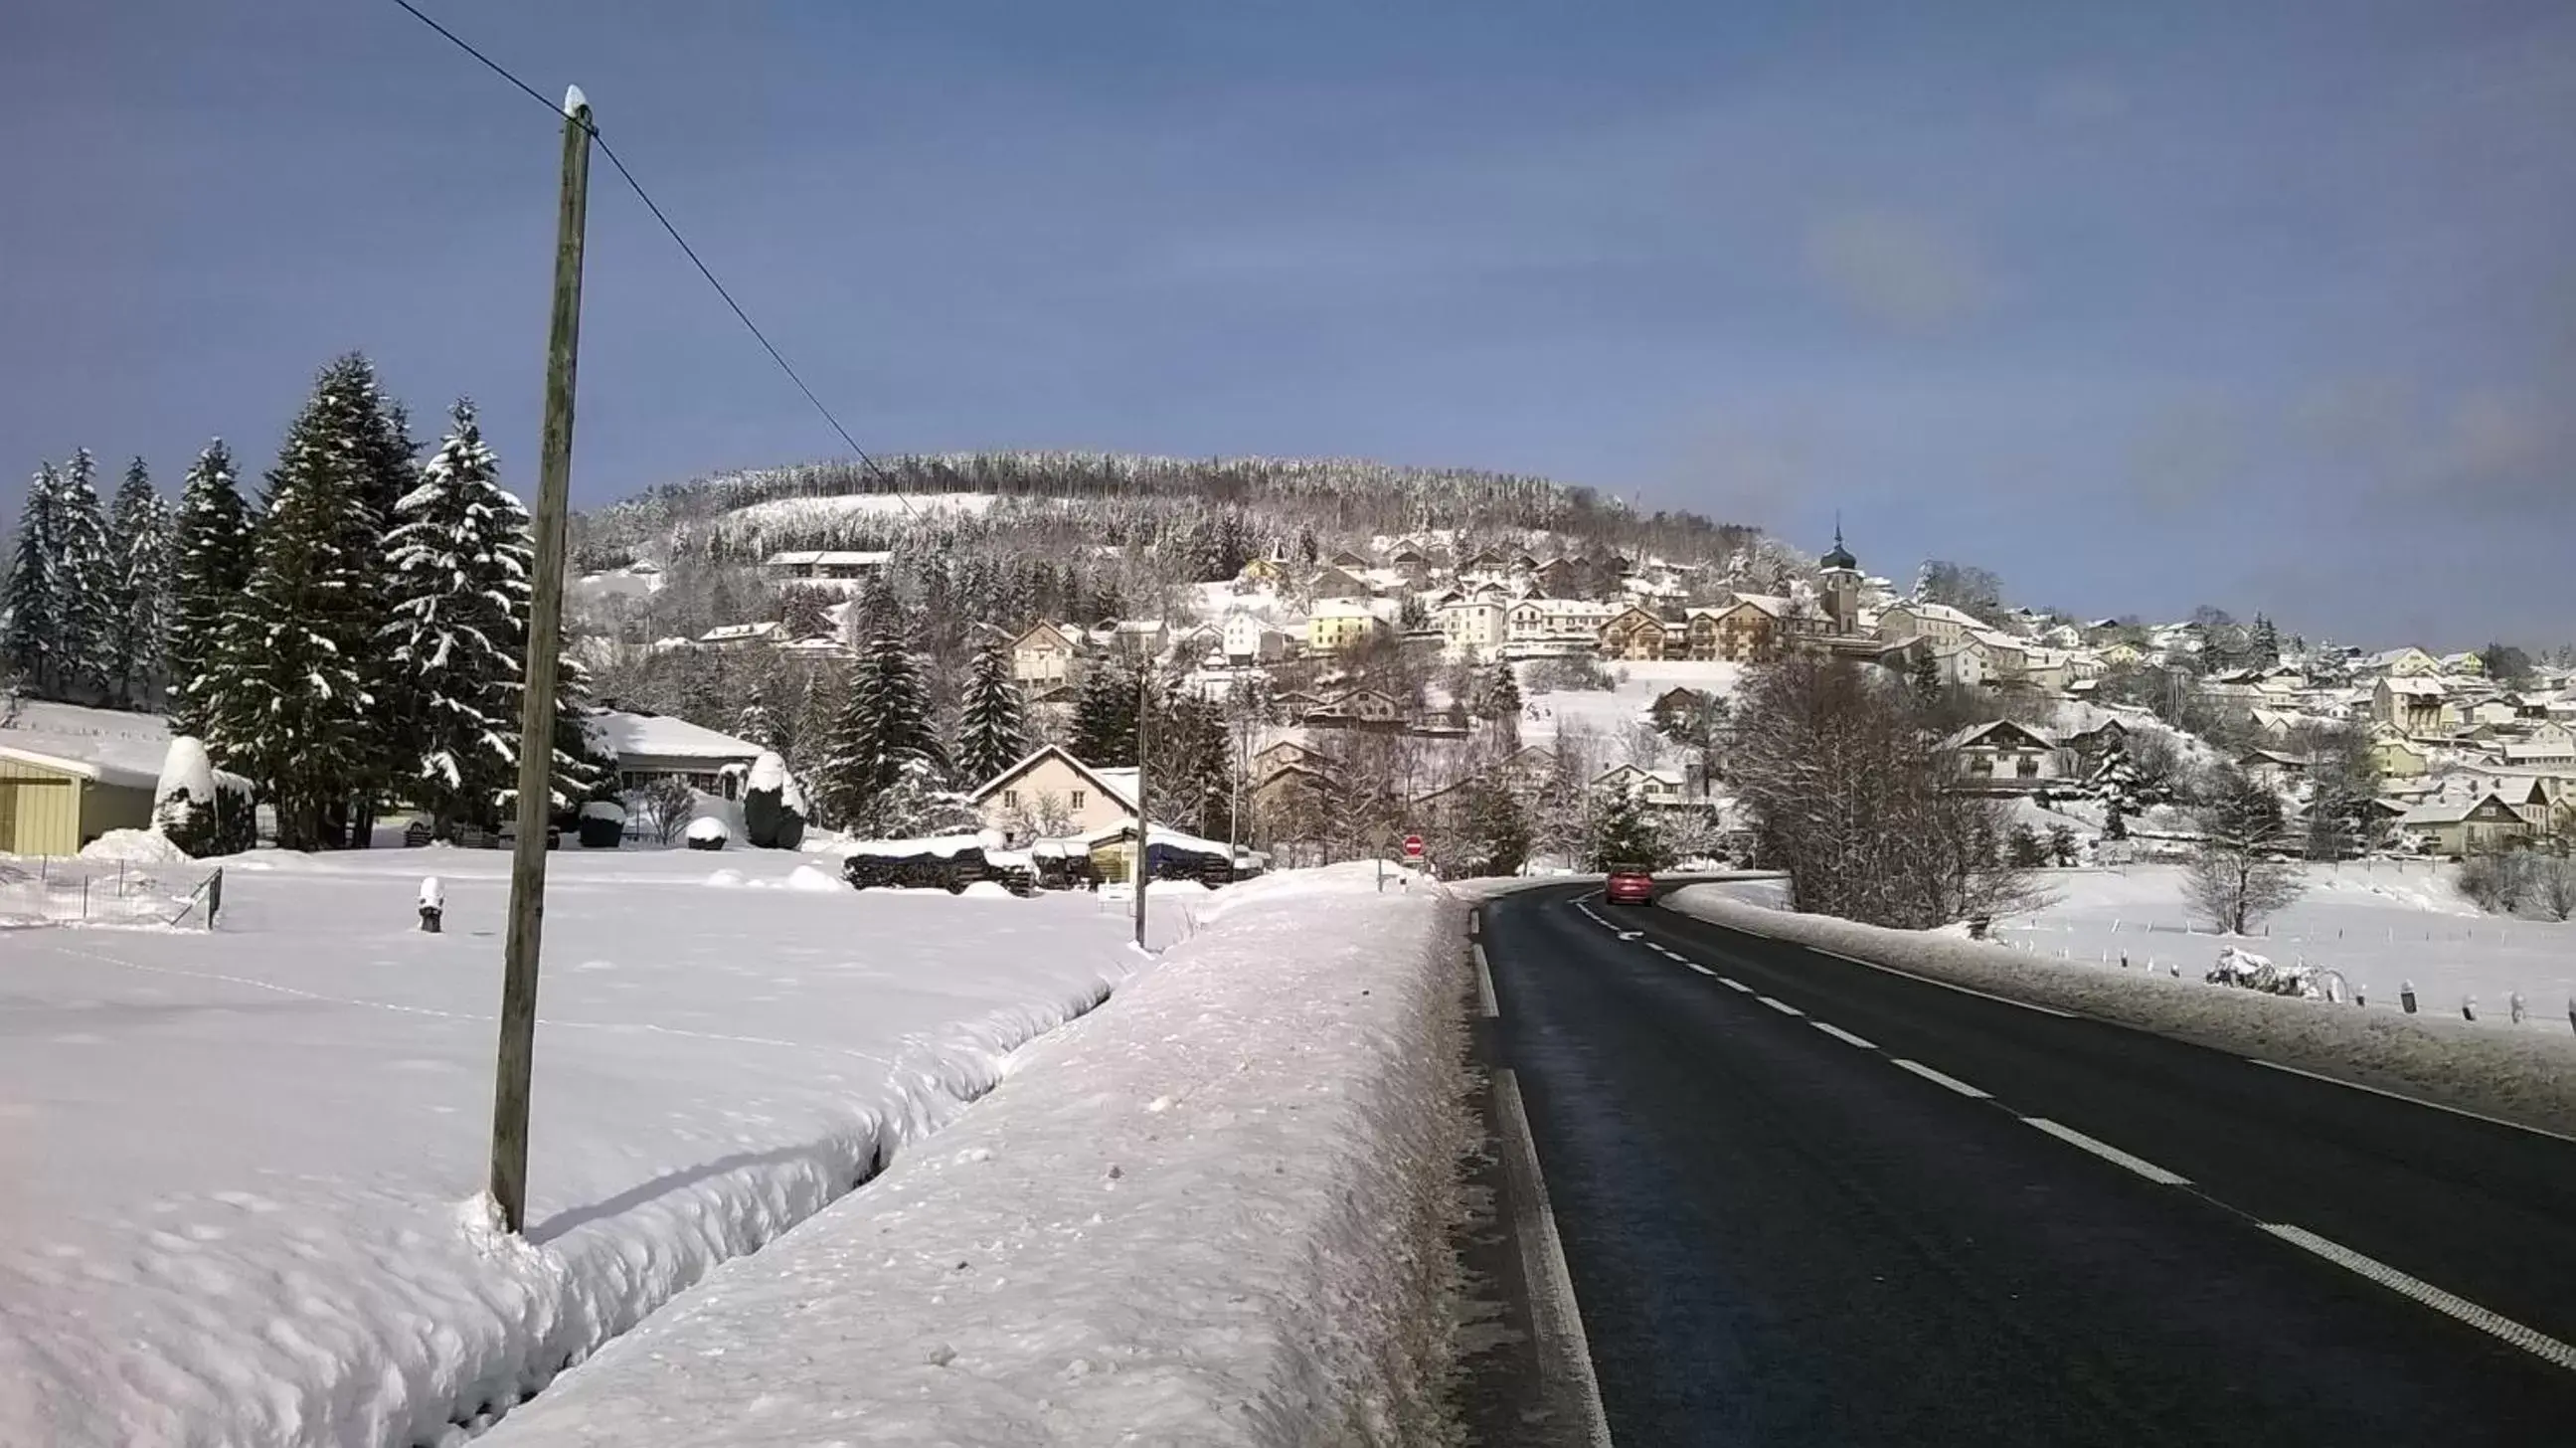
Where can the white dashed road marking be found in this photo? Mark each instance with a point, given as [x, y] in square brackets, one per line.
[1731, 983]
[2531, 1340]
[2108, 1152]
[1839, 1034]
[1783, 1007]
[1704, 970]
[1953, 1082]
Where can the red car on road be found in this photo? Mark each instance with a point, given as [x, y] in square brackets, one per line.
[1629, 885]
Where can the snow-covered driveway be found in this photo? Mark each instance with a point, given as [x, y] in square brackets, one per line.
[235, 1169]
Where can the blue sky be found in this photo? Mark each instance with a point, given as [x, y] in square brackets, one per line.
[2141, 306]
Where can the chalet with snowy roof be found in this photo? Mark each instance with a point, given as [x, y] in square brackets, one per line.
[648, 747]
[743, 635]
[1051, 793]
[1744, 630]
[2004, 755]
[1636, 633]
[1362, 708]
[1338, 583]
[2101, 739]
[1545, 624]
[1660, 788]
[2456, 827]
[2406, 663]
[2273, 768]
[1049, 655]
[2397, 756]
[823, 565]
[1938, 622]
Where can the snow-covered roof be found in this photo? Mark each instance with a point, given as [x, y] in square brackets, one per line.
[106, 745]
[661, 736]
[2417, 685]
[1343, 608]
[1976, 733]
[1940, 613]
[1118, 784]
[2445, 812]
[828, 557]
[731, 632]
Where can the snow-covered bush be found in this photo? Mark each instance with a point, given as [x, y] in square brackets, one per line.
[183, 803]
[603, 825]
[706, 832]
[2248, 971]
[773, 809]
[135, 847]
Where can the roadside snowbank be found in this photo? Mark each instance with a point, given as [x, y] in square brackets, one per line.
[2527, 1075]
[1213, 1212]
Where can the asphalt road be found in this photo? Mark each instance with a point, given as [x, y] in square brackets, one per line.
[1783, 1233]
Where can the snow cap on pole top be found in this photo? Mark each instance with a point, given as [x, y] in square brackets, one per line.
[574, 101]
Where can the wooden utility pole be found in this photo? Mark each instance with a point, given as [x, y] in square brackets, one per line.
[1144, 829]
[537, 697]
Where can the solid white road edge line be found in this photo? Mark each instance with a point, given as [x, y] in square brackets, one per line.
[1564, 1352]
[1944, 984]
[1928, 1074]
[2108, 1152]
[1783, 1007]
[1484, 982]
[2413, 1100]
[1731, 983]
[1839, 1034]
[2539, 1344]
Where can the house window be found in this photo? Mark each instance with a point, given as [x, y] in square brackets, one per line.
[1010, 799]
[2027, 766]
[1078, 798]
[1981, 764]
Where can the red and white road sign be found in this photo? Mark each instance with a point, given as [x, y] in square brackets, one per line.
[1413, 847]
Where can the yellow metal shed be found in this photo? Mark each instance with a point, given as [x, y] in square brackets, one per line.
[53, 804]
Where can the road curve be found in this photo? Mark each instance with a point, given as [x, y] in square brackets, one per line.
[1807, 1201]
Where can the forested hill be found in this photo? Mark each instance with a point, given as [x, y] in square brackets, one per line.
[1130, 498]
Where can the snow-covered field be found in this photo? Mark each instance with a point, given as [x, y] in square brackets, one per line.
[2380, 924]
[239, 1171]
[1211, 1213]
[755, 517]
[1608, 713]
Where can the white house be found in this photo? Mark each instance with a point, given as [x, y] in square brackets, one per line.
[653, 746]
[1938, 622]
[1052, 792]
[1559, 621]
[743, 635]
[1473, 628]
[1665, 788]
[1249, 640]
[1048, 656]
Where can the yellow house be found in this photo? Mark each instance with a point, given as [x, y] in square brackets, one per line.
[1264, 570]
[1342, 623]
[2397, 756]
[2121, 654]
[52, 804]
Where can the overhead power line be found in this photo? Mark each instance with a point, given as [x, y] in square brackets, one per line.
[555, 109]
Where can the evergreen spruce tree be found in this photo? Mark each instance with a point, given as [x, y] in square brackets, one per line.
[883, 729]
[1623, 835]
[290, 706]
[1104, 717]
[1192, 785]
[1495, 828]
[138, 626]
[210, 558]
[757, 724]
[992, 728]
[85, 572]
[389, 473]
[459, 563]
[33, 642]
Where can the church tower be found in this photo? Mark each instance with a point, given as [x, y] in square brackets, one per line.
[1838, 579]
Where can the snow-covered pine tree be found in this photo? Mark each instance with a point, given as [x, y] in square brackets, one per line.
[138, 625]
[1623, 835]
[1104, 716]
[85, 571]
[290, 707]
[992, 728]
[459, 563]
[33, 640]
[758, 724]
[210, 558]
[1192, 786]
[884, 726]
[386, 454]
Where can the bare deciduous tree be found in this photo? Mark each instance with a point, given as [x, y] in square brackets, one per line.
[1849, 795]
[2236, 874]
[665, 805]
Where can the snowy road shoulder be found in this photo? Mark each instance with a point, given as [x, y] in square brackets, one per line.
[1213, 1211]
[2526, 1076]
